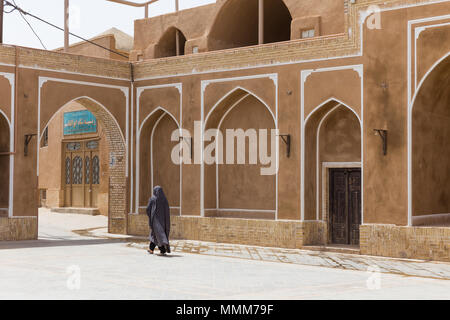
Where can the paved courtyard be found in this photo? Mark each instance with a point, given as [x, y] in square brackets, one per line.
[91, 264]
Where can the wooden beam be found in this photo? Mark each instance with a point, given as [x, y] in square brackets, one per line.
[260, 21]
[66, 25]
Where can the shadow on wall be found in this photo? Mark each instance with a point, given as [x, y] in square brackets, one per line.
[171, 44]
[4, 166]
[236, 24]
[430, 149]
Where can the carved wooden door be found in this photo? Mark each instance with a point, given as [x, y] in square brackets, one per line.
[345, 205]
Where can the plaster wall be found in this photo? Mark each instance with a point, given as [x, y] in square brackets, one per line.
[430, 166]
[90, 50]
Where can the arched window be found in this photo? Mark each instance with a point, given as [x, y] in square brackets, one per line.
[237, 24]
[171, 44]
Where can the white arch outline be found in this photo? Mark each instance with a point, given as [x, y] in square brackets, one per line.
[318, 166]
[65, 105]
[230, 93]
[153, 112]
[410, 110]
[138, 152]
[328, 101]
[75, 100]
[340, 103]
[304, 74]
[247, 93]
[11, 163]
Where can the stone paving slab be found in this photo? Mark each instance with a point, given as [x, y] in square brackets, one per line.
[407, 267]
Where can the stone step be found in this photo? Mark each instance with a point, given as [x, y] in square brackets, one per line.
[335, 248]
[87, 211]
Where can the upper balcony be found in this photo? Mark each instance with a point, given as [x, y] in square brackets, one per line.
[231, 24]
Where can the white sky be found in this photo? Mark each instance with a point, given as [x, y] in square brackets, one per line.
[88, 19]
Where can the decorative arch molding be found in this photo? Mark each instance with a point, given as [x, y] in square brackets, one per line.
[246, 93]
[411, 105]
[340, 103]
[204, 119]
[11, 122]
[123, 89]
[117, 159]
[436, 21]
[84, 101]
[320, 121]
[10, 130]
[134, 205]
[159, 112]
[304, 74]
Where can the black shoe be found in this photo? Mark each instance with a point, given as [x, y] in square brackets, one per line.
[168, 249]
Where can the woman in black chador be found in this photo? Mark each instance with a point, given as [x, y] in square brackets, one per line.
[159, 220]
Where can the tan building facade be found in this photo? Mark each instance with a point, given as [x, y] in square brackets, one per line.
[358, 91]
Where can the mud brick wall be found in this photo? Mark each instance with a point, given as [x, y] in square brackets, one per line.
[429, 243]
[15, 229]
[284, 234]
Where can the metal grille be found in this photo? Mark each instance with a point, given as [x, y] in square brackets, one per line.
[92, 145]
[95, 170]
[87, 169]
[67, 170]
[77, 170]
[73, 146]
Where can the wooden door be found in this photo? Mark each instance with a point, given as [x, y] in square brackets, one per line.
[345, 205]
[81, 174]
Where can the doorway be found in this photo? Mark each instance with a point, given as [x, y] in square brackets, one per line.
[81, 174]
[345, 205]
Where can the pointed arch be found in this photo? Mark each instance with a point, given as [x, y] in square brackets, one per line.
[343, 126]
[159, 108]
[171, 43]
[115, 182]
[86, 102]
[428, 136]
[149, 126]
[332, 99]
[236, 24]
[6, 165]
[225, 112]
[245, 92]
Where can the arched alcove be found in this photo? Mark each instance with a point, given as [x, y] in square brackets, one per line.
[156, 166]
[236, 24]
[4, 165]
[172, 43]
[333, 148]
[430, 154]
[234, 188]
